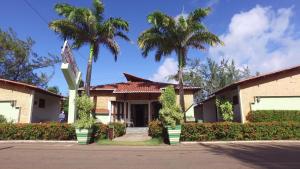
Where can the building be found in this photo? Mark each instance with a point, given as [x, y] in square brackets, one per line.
[278, 90]
[135, 102]
[24, 103]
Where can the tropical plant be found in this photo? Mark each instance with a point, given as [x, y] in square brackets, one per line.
[84, 107]
[169, 114]
[19, 62]
[225, 108]
[179, 34]
[88, 26]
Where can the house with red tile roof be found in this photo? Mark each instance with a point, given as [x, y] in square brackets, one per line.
[279, 90]
[135, 102]
[25, 103]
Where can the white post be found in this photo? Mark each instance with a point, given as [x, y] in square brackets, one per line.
[72, 106]
[149, 112]
[129, 112]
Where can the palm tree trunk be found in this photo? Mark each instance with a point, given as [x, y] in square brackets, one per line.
[180, 81]
[89, 72]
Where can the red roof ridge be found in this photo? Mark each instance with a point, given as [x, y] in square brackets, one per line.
[133, 78]
[30, 86]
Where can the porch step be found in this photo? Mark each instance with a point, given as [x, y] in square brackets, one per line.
[135, 134]
[137, 130]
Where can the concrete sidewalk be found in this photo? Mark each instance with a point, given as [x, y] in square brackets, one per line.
[73, 156]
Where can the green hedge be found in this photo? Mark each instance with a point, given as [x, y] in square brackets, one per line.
[53, 131]
[47, 131]
[235, 131]
[273, 115]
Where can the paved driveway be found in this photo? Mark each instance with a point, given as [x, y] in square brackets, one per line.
[72, 156]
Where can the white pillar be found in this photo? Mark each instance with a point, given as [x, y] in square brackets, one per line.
[72, 106]
[129, 112]
[110, 109]
[149, 111]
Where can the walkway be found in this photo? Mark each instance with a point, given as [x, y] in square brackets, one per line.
[135, 134]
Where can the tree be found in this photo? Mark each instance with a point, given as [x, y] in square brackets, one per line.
[88, 26]
[211, 75]
[19, 62]
[178, 35]
[54, 89]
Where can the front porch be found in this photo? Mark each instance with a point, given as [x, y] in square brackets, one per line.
[135, 113]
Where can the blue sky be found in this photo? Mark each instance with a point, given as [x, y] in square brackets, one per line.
[264, 35]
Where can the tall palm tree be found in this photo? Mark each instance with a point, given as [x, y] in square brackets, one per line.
[168, 34]
[87, 26]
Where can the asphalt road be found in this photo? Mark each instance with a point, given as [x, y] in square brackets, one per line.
[219, 156]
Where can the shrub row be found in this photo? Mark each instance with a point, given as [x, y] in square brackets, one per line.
[234, 131]
[273, 115]
[53, 131]
[47, 131]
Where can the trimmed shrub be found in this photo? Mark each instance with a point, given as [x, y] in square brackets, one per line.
[155, 129]
[232, 131]
[46, 131]
[273, 115]
[238, 131]
[119, 128]
[99, 131]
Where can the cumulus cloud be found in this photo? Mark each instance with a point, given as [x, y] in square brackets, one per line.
[169, 67]
[262, 38]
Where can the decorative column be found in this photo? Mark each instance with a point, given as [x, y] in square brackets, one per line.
[149, 111]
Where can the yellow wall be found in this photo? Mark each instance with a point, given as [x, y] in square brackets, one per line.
[23, 97]
[188, 99]
[103, 100]
[286, 84]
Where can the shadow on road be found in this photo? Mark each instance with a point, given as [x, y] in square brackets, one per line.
[261, 156]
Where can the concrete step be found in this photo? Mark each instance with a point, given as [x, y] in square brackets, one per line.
[138, 130]
[135, 134]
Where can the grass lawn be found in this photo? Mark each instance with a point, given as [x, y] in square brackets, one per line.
[152, 142]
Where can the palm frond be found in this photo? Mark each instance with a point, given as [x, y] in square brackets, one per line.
[64, 9]
[98, 9]
[113, 47]
[198, 14]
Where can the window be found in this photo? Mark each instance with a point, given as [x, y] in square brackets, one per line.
[42, 103]
[235, 100]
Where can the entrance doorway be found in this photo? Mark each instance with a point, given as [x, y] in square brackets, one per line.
[139, 115]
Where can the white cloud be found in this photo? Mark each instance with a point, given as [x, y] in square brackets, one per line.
[261, 38]
[169, 67]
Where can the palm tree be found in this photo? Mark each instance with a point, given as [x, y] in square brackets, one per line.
[178, 35]
[87, 26]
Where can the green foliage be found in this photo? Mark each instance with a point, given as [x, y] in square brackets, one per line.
[211, 75]
[238, 131]
[2, 119]
[170, 114]
[169, 34]
[54, 89]
[18, 62]
[84, 107]
[273, 115]
[119, 128]
[87, 26]
[45, 131]
[155, 129]
[225, 108]
[100, 130]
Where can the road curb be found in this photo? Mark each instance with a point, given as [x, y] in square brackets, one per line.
[238, 142]
[37, 141]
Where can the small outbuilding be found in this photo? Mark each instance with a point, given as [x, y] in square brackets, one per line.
[25, 103]
[278, 90]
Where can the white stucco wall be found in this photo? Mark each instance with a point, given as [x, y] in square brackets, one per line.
[51, 110]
